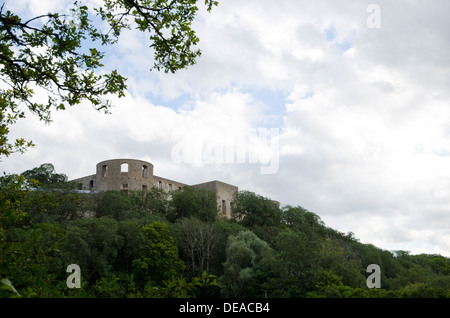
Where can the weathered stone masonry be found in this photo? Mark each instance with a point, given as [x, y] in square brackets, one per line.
[130, 174]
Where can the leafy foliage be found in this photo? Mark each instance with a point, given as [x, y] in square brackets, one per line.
[45, 174]
[132, 250]
[27, 247]
[155, 201]
[46, 52]
[93, 244]
[246, 256]
[113, 203]
[198, 241]
[60, 55]
[254, 210]
[168, 23]
[193, 202]
[160, 260]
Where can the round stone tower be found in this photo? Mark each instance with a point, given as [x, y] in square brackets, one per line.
[124, 175]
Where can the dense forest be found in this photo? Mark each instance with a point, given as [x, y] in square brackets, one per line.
[155, 244]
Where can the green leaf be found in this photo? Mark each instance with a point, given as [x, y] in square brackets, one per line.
[6, 284]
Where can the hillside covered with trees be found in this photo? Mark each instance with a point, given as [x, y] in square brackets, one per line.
[155, 244]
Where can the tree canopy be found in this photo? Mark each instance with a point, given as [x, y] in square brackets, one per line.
[45, 174]
[61, 54]
[255, 210]
[128, 248]
[193, 202]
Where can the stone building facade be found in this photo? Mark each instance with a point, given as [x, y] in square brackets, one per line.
[130, 174]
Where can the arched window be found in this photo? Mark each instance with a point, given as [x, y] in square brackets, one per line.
[144, 171]
[224, 207]
[124, 167]
[104, 171]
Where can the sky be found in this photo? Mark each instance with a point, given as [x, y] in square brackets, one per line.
[341, 107]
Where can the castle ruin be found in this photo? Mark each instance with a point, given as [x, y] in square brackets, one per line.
[130, 174]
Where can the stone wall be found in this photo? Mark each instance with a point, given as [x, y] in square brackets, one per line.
[124, 175]
[167, 184]
[86, 183]
[130, 174]
[225, 193]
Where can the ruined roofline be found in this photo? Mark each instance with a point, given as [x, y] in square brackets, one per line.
[132, 174]
[214, 181]
[137, 174]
